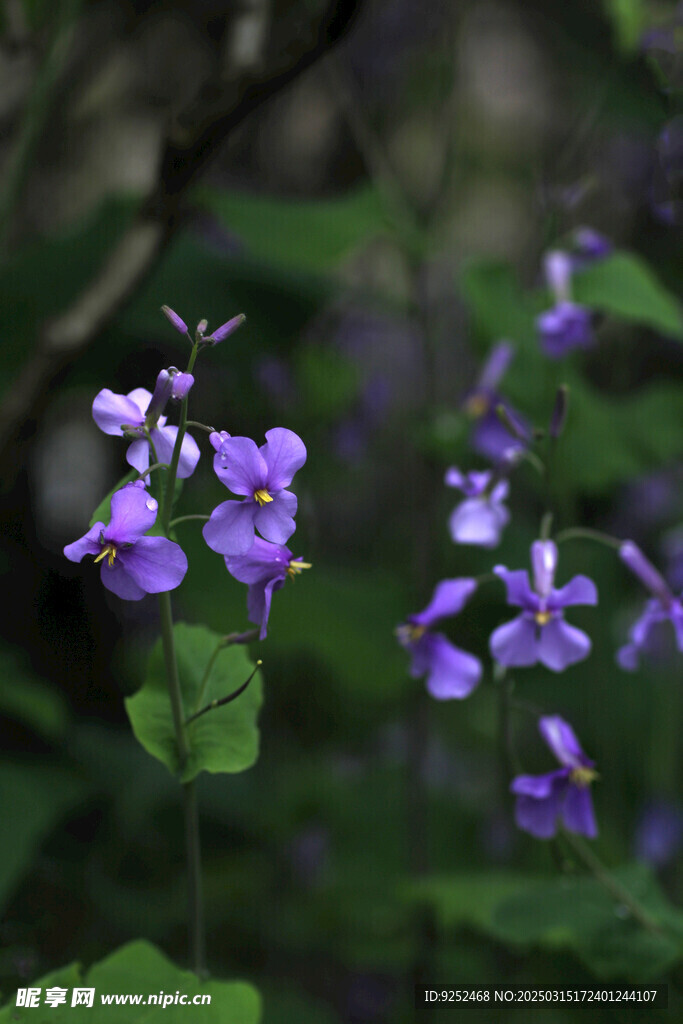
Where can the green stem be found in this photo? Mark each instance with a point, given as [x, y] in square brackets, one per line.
[175, 458]
[185, 519]
[585, 533]
[194, 864]
[609, 882]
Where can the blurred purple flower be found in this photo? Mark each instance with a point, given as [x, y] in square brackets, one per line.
[661, 607]
[182, 382]
[451, 672]
[481, 517]
[589, 245]
[490, 437]
[563, 794]
[127, 415]
[132, 565]
[566, 325]
[265, 567]
[261, 476]
[540, 633]
[659, 833]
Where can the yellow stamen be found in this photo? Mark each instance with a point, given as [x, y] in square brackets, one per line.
[477, 405]
[262, 497]
[583, 776]
[109, 552]
[543, 618]
[294, 568]
[409, 633]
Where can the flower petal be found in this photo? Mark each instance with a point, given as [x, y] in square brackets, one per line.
[259, 597]
[519, 590]
[164, 439]
[538, 786]
[88, 544]
[449, 598]
[561, 645]
[577, 811]
[262, 561]
[110, 411]
[514, 644]
[137, 455]
[580, 590]
[142, 397]
[133, 513]
[116, 579]
[230, 530]
[284, 453]
[478, 521]
[539, 817]
[562, 741]
[240, 466]
[452, 673]
[274, 521]
[155, 564]
[628, 657]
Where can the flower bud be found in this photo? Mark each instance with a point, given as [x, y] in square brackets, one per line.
[174, 319]
[558, 272]
[182, 382]
[544, 564]
[201, 328]
[162, 392]
[640, 566]
[221, 333]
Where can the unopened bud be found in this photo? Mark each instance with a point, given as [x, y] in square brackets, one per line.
[226, 329]
[640, 566]
[162, 392]
[174, 319]
[201, 328]
[182, 382]
[559, 414]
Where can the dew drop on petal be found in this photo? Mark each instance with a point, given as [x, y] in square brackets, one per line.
[152, 504]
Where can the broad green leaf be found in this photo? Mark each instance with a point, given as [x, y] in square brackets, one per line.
[30, 700]
[499, 307]
[224, 739]
[311, 235]
[624, 285]
[579, 914]
[33, 798]
[139, 969]
[467, 898]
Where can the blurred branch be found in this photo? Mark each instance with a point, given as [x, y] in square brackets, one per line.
[192, 140]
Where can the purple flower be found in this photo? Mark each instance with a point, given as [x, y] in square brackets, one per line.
[264, 568]
[481, 517]
[132, 565]
[563, 794]
[590, 246]
[261, 476]
[661, 607]
[126, 415]
[566, 325]
[659, 833]
[450, 672]
[490, 437]
[540, 632]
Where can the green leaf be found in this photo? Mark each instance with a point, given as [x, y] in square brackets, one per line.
[624, 285]
[223, 740]
[499, 307]
[580, 915]
[34, 799]
[140, 969]
[466, 898]
[310, 235]
[28, 699]
[628, 21]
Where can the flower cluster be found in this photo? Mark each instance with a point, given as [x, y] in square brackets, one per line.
[132, 562]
